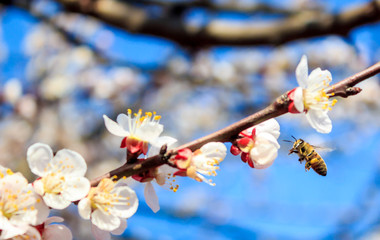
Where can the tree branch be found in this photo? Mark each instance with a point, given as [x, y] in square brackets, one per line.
[277, 108]
[230, 6]
[306, 24]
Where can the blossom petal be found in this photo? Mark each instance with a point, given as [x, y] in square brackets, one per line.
[298, 99]
[302, 72]
[114, 128]
[267, 137]
[151, 198]
[214, 150]
[263, 154]
[42, 210]
[57, 232]
[121, 228]
[84, 208]
[9, 230]
[76, 188]
[124, 121]
[56, 201]
[38, 157]
[319, 120]
[73, 163]
[318, 80]
[105, 221]
[149, 131]
[100, 234]
[270, 126]
[125, 209]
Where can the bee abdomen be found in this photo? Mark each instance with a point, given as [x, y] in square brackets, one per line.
[319, 166]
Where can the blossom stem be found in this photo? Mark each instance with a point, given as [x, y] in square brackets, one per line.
[344, 88]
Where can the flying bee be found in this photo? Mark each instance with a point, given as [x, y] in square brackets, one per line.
[307, 152]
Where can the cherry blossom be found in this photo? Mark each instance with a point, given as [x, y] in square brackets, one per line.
[138, 130]
[258, 145]
[311, 97]
[201, 162]
[108, 205]
[20, 206]
[61, 179]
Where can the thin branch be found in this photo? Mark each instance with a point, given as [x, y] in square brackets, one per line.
[277, 108]
[306, 24]
[230, 6]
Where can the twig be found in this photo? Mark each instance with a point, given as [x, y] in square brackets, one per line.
[305, 24]
[277, 108]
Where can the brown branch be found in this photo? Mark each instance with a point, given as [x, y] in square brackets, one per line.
[306, 24]
[227, 134]
[346, 87]
[230, 6]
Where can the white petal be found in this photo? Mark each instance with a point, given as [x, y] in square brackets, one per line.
[104, 221]
[56, 201]
[125, 208]
[214, 150]
[100, 234]
[319, 120]
[9, 230]
[84, 208]
[151, 198]
[263, 154]
[121, 228]
[38, 156]
[115, 128]
[57, 232]
[42, 210]
[318, 79]
[270, 126]
[31, 234]
[149, 131]
[302, 72]
[267, 137]
[298, 99]
[76, 188]
[124, 121]
[73, 162]
[38, 186]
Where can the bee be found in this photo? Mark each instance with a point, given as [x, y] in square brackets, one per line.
[307, 152]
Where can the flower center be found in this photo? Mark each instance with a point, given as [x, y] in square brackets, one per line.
[53, 183]
[102, 198]
[13, 201]
[318, 100]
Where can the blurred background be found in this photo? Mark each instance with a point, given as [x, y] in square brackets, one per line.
[202, 65]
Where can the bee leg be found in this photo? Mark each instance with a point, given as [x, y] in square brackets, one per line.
[307, 166]
[301, 160]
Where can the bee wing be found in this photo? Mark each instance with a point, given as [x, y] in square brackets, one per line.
[323, 149]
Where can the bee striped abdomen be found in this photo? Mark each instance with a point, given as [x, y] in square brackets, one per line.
[318, 164]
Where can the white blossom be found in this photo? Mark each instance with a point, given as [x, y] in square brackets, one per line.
[20, 206]
[61, 179]
[108, 205]
[311, 96]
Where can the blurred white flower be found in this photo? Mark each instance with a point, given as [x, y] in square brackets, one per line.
[108, 205]
[311, 96]
[20, 206]
[61, 179]
[12, 90]
[258, 145]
